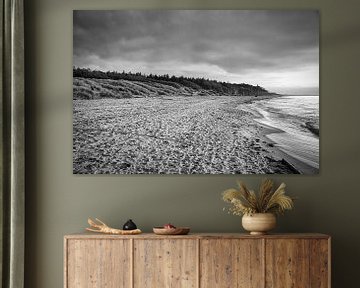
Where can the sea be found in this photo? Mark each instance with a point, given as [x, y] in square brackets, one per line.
[295, 120]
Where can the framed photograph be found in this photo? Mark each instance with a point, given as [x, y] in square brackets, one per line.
[195, 92]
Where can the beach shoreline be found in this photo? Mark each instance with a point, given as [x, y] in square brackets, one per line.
[173, 135]
[296, 164]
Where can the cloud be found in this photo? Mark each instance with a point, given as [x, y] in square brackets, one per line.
[224, 45]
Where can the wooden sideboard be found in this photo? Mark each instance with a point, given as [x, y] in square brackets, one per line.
[197, 260]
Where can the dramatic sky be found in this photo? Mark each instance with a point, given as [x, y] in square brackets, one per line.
[278, 50]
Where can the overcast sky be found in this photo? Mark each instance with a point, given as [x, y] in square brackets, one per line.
[278, 50]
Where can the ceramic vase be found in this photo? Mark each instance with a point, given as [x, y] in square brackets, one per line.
[259, 223]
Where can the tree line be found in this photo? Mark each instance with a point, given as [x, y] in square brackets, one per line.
[218, 87]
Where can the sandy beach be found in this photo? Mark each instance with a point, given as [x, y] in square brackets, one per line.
[172, 135]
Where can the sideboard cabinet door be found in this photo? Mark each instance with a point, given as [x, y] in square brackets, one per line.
[287, 263]
[98, 263]
[231, 263]
[168, 263]
[320, 263]
[297, 263]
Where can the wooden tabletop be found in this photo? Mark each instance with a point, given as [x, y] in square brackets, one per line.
[89, 235]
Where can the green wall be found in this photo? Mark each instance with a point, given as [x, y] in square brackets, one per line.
[59, 202]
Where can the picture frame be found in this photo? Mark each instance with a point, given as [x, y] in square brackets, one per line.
[196, 92]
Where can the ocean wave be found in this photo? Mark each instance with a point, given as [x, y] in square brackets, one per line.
[312, 127]
[295, 120]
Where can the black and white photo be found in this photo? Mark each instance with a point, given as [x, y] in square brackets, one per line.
[195, 92]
